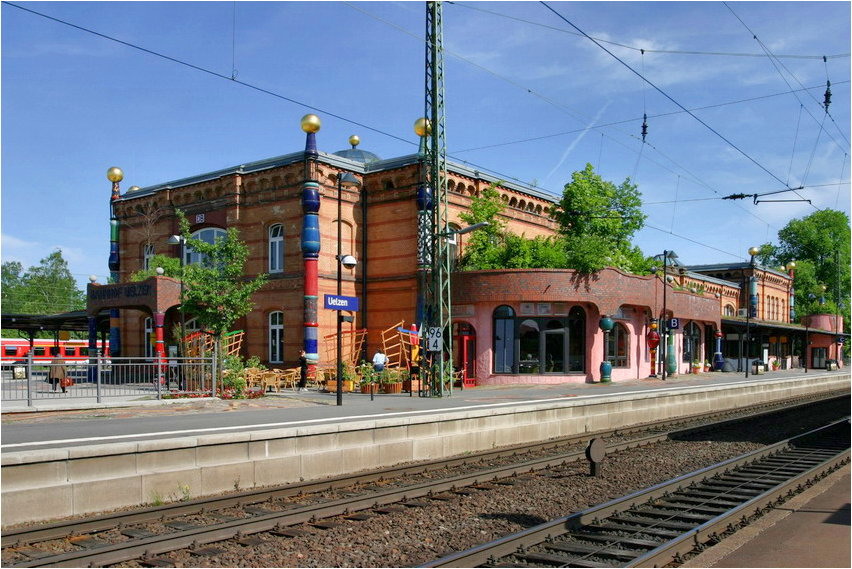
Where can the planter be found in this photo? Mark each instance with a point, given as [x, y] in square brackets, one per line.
[392, 387]
[369, 387]
[331, 385]
[696, 369]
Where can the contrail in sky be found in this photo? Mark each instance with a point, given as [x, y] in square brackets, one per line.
[575, 142]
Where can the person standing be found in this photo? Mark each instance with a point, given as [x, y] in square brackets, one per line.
[379, 361]
[303, 370]
[57, 373]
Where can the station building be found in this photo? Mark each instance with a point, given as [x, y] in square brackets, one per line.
[509, 326]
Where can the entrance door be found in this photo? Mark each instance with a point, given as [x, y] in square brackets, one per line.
[464, 346]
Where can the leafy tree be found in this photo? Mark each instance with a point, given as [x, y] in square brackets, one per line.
[216, 292]
[47, 288]
[820, 246]
[484, 249]
[171, 268]
[12, 280]
[597, 220]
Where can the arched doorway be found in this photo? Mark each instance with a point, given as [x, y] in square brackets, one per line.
[464, 352]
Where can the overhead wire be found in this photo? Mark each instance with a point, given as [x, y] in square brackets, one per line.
[294, 101]
[667, 96]
[634, 48]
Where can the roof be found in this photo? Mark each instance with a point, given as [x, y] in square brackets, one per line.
[76, 321]
[343, 160]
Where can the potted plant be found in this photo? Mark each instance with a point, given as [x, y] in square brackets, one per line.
[348, 380]
[776, 365]
[696, 366]
[369, 378]
[390, 382]
[707, 366]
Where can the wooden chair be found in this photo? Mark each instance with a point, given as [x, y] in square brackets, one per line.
[254, 378]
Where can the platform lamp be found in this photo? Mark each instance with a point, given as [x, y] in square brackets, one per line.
[350, 182]
[181, 240]
[606, 324]
[752, 304]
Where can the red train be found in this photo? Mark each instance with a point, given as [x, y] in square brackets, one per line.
[16, 349]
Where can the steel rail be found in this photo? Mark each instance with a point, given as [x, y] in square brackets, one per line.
[60, 529]
[108, 554]
[672, 550]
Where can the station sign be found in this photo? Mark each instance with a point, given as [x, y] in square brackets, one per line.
[337, 302]
[434, 339]
[674, 324]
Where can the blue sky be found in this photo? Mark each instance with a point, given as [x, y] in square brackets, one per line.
[527, 98]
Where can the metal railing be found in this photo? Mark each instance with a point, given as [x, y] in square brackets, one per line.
[102, 377]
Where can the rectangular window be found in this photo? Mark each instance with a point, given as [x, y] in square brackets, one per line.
[70, 351]
[10, 351]
[39, 351]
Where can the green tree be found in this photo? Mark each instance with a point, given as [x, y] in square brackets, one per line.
[597, 220]
[47, 288]
[216, 291]
[820, 245]
[484, 248]
[171, 268]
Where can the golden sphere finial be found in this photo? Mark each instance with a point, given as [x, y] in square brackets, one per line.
[791, 265]
[311, 123]
[354, 140]
[115, 174]
[753, 251]
[133, 189]
[422, 127]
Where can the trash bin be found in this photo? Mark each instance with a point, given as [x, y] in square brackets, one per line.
[831, 365]
[758, 367]
[19, 372]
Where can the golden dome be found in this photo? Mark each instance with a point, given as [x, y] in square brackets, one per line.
[311, 123]
[753, 251]
[115, 174]
[133, 189]
[422, 127]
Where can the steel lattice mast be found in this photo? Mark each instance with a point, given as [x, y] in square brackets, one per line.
[437, 300]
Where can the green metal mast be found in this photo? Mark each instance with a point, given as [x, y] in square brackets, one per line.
[437, 293]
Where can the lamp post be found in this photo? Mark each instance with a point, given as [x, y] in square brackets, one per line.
[751, 305]
[350, 182]
[180, 240]
[667, 255]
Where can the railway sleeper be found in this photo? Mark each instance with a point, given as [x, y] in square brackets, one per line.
[560, 560]
[698, 507]
[596, 537]
[711, 500]
[577, 547]
[652, 522]
[675, 514]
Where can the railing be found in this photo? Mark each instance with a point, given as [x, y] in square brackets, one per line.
[101, 377]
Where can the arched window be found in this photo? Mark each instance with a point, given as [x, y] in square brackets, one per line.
[276, 248]
[504, 339]
[618, 348]
[729, 310]
[453, 243]
[208, 235]
[691, 342]
[276, 337]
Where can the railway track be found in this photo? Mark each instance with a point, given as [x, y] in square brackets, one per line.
[661, 525]
[144, 534]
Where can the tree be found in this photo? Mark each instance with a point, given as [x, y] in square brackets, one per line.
[820, 246]
[484, 246]
[171, 268]
[47, 288]
[597, 220]
[216, 291]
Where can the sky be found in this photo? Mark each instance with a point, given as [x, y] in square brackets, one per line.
[733, 94]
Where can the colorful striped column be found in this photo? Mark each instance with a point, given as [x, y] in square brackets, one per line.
[311, 241]
[115, 175]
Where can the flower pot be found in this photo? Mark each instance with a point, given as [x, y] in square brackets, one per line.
[331, 385]
[369, 387]
[392, 387]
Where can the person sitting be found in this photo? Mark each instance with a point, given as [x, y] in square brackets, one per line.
[379, 361]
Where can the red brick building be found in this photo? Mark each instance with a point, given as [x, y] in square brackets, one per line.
[509, 326]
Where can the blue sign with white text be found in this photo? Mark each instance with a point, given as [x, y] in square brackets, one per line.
[336, 302]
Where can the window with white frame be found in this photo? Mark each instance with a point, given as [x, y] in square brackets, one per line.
[276, 337]
[208, 235]
[276, 248]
